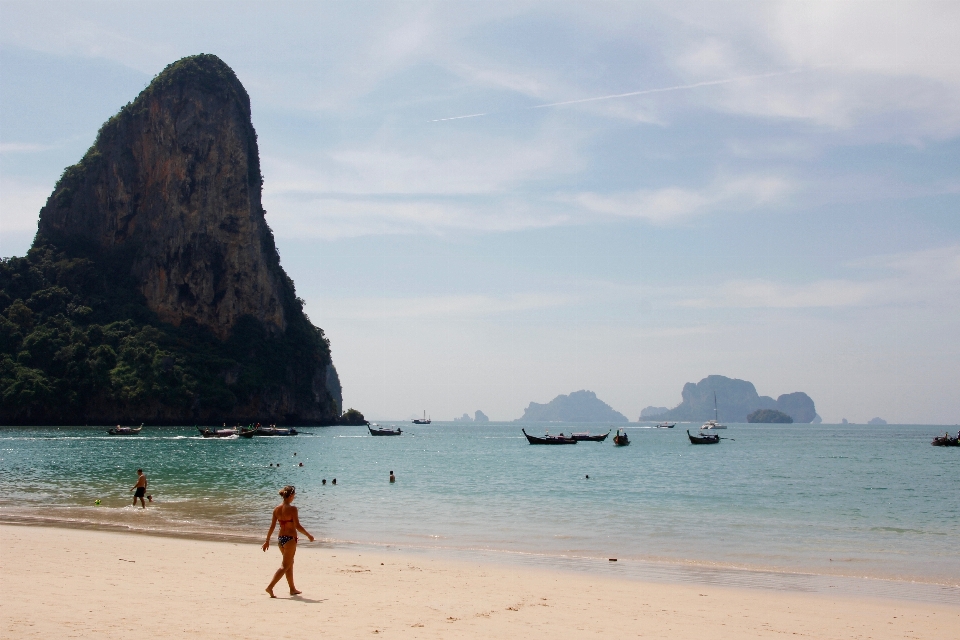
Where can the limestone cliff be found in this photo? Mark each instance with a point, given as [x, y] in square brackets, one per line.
[153, 291]
[175, 178]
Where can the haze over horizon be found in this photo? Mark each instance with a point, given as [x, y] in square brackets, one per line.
[640, 194]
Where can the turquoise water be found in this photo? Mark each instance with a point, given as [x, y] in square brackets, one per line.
[827, 499]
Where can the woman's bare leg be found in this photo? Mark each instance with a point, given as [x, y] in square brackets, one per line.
[286, 565]
[288, 562]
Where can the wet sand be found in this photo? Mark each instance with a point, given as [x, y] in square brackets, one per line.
[60, 582]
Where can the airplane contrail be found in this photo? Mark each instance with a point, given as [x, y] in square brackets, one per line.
[707, 83]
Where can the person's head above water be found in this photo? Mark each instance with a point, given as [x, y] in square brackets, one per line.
[288, 492]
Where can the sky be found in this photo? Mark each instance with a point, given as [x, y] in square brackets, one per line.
[486, 204]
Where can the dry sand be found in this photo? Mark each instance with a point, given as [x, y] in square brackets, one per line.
[64, 583]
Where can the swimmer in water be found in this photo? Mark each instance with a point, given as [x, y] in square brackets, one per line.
[393, 478]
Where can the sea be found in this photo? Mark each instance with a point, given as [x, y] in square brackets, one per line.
[860, 509]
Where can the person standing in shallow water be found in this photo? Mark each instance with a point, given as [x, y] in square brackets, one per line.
[140, 489]
[289, 518]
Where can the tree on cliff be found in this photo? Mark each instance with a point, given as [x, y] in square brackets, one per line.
[769, 416]
[153, 291]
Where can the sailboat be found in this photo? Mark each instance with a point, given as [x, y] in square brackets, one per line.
[424, 420]
[714, 424]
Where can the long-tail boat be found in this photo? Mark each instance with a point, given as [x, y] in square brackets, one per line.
[946, 441]
[124, 431]
[217, 433]
[621, 439]
[586, 437]
[705, 438]
[380, 431]
[548, 439]
[266, 431]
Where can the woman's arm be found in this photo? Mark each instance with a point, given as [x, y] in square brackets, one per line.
[273, 524]
[300, 528]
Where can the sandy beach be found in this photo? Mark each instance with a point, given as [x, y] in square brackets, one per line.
[60, 582]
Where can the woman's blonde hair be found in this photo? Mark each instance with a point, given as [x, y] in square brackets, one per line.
[288, 491]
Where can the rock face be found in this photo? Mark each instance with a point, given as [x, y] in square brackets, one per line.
[154, 292]
[174, 179]
[579, 406]
[480, 416]
[735, 400]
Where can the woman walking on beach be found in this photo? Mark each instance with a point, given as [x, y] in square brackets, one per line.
[286, 514]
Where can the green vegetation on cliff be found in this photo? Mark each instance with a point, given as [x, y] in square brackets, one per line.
[769, 416]
[77, 341]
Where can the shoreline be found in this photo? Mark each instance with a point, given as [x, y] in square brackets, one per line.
[667, 572]
[61, 581]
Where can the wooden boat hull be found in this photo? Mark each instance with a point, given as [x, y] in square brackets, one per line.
[125, 432]
[582, 437]
[219, 433]
[548, 440]
[946, 441]
[385, 432]
[705, 439]
[621, 441]
[267, 433]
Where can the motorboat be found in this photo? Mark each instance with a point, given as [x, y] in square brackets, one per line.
[586, 437]
[423, 420]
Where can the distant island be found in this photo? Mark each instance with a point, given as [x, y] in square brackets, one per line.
[877, 421]
[649, 412]
[153, 292]
[579, 406]
[769, 416]
[478, 416]
[736, 399]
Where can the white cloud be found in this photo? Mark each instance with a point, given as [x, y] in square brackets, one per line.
[453, 180]
[861, 61]
[928, 278]
[330, 217]
[671, 203]
[446, 307]
[23, 147]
